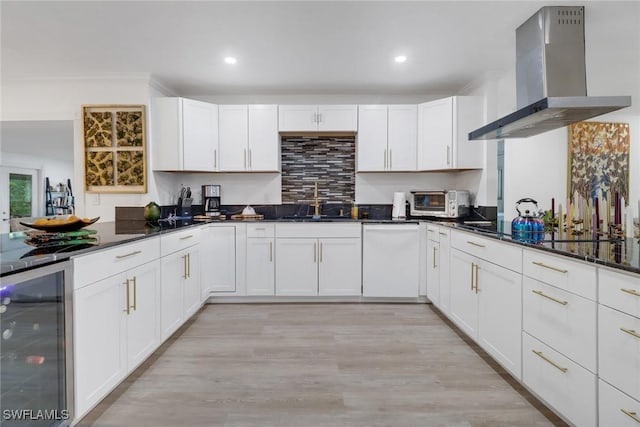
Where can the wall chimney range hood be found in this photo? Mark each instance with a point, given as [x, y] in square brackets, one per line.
[551, 87]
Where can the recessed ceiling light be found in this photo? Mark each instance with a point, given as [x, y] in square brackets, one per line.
[400, 58]
[230, 60]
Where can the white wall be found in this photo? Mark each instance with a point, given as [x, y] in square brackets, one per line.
[537, 166]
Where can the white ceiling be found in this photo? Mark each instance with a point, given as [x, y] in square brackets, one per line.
[293, 47]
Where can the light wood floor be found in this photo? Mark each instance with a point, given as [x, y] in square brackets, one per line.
[309, 365]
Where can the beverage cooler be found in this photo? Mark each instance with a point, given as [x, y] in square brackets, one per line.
[36, 366]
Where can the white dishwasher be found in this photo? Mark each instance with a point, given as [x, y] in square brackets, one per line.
[390, 260]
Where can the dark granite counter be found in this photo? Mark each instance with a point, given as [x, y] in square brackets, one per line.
[623, 254]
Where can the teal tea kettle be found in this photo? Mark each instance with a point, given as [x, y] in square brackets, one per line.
[528, 227]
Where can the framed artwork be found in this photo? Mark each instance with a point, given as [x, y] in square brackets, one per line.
[598, 161]
[115, 148]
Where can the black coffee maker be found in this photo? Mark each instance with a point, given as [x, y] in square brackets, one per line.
[211, 200]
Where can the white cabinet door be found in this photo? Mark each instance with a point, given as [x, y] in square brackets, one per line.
[340, 267]
[143, 321]
[445, 288]
[191, 287]
[464, 299]
[390, 263]
[500, 314]
[296, 267]
[264, 140]
[338, 118]
[234, 137]
[403, 137]
[174, 270]
[260, 266]
[372, 138]
[200, 135]
[99, 339]
[297, 118]
[616, 409]
[433, 272]
[221, 258]
[435, 134]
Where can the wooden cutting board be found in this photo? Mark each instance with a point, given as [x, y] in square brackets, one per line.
[241, 217]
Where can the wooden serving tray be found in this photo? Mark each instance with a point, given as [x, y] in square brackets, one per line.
[241, 217]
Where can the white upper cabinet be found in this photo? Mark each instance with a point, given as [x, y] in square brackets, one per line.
[249, 138]
[184, 135]
[387, 138]
[312, 118]
[443, 127]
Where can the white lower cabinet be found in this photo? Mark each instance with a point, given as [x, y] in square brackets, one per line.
[180, 284]
[339, 271]
[218, 244]
[563, 384]
[297, 267]
[444, 259]
[260, 266]
[464, 300]
[433, 268]
[615, 408]
[390, 262]
[116, 329]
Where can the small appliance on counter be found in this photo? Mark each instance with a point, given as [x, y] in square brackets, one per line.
[211, 200]
[528, 227]
[399, 211]
[440, 203]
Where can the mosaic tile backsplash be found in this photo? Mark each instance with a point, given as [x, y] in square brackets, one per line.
[329, 160]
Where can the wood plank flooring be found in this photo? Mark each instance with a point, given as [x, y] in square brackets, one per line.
[308, 365]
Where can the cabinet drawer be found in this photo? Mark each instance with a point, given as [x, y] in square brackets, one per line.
[620, 291]
[616, 408]
[99, 265]
[619, 350]
[564, 321]
[495, 251]
[572, 276]
[563, 384]
[261, 230]
[319, 230]
[179, 240]
[433, 232]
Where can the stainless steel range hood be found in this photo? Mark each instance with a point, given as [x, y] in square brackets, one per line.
[551, 87]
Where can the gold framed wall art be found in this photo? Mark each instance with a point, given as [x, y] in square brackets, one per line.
[115, 148]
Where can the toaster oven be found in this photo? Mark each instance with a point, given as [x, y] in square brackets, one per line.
[440, 203]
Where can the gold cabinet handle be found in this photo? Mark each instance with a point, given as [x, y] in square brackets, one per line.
[314, 252]
[320, 251]
[431, 231]
[245, 158]
[475, 244]
[472, 264]
[188, 265]
[630, 332]
[632, 415]
[128, 255]
[631, 291]
[390, 159]
[184, 258]
[550, 267]
[448, 155]
[385, 158]
[186, 237]
[475, 267]
[135, 294]
[270, 251]
[215, 159]
[250, 160]
[549, 361]
[434, 258]
[443, 234]
[128, 308]
[542, 294]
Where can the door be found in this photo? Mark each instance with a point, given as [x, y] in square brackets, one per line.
[433, 272]
[297, 267]
[339, 267]
[221, 258]
[191, 290]
[234, 138]
[19, 195]
[260, 266]
[464, 300]
[174, 270]
[338, 118]
[264, 140]
[297, 118]
[403, 137]
[143, 321]
[435, 134]
[372, 138]
[200, 135]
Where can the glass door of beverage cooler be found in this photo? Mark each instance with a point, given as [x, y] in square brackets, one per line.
[36, 370]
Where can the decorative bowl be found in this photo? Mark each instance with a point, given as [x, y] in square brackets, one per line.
[61, 226]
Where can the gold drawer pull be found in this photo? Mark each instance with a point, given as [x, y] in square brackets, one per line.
[632, 415]
[128, 308]
[631, 291]
[630, 332]
[431, 231]
[475, 244]
[541, 264]
[549, 361]
[542, 294]
[443, 234]
[128, 255]
[186, 237]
